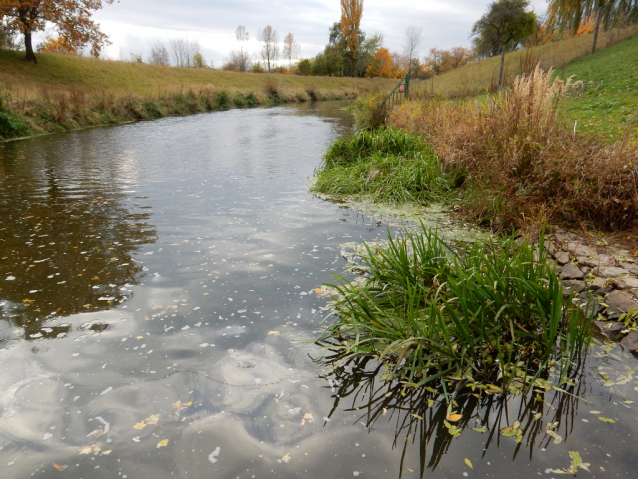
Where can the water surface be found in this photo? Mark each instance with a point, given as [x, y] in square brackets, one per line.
[158, 285]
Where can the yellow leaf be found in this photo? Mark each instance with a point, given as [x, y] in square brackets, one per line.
[595, 412]
[469, 463]
[139, 426]
[86, 450]
[106, 453]
[163, 443]
[274, 333]
[286, 457]
[136, 439]
[152, 420]
[557, 439]
[139, 337]
[604, 419]
[177, 405]
[454, 417]
[60, 467]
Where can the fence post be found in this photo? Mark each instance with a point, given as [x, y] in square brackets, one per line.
[407, 86]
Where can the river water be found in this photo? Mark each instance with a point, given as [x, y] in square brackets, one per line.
[159, 285]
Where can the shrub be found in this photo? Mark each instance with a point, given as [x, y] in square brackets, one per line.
[370, 111]
[239, 99]
[223, 100]
[11, 126]
[252, 100]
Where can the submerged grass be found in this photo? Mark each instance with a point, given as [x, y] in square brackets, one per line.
[491, 315]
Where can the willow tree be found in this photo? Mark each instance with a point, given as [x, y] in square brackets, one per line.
[71, 18]
[502, 28]
[351, 13]
[569, 14]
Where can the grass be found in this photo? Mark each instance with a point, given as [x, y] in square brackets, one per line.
[478, 77]
[608, 105]
[491, 314]
[386, 165]
[65, 92]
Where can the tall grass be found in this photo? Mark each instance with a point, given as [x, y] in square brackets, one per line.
[489, 313]
[523, 161]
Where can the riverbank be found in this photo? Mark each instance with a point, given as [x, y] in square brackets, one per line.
[63, 93]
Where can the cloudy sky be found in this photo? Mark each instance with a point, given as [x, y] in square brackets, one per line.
[135, 25]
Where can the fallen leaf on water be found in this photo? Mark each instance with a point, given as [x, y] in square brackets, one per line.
[274, 333]
[179, 406]
[479, 429]
[605, 419]
[139, 337]
[286, 458]
[60, 467]
[454, 417]
[162, 443]
[136, 439]
[319, 290]
[557, 439]
[106, 453]
[309, 417]
[469, 463]
[104, 365]
[385, 411]
[595, 412]
[86, 450]
[152, 420]
[96, 433]
[139, 426]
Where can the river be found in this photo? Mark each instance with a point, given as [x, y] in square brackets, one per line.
[160, 285]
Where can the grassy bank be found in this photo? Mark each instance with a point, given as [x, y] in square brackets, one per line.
[65, 92]
[478, 77]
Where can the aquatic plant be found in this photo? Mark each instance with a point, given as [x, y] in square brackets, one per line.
[489, 315]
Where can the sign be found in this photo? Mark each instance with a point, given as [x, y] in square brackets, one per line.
[402, 88]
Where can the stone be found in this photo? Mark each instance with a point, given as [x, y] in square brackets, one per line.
[603, 291]
[585, 269]
[571, 271]
[596, 261]
[609, 272]
[630, 342]
[609, 328]
[579, 249]
[573, 286]
[623, 301]
[633, 292]
[563, 258]
[613, 313]
[626, 283]
[592, 308]
[598, 283]
[631, 267]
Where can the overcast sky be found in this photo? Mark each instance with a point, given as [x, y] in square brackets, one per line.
[135, 25]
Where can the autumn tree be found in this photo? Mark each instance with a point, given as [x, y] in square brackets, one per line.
[71, 18]
[57, 45]
[270, 45]
[413, 38]
[381, 65]
[291, 48]
[502, 28]
[351, 13]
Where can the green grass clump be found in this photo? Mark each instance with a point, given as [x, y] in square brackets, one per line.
[492, 313]
[386, 165]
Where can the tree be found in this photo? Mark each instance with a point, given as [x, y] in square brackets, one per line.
[238, 60]
[291, 48]
[71, 18]
[8, 38]
[502, 28]
[304, 67]
[381, 65]
[184, 51]
[270, 48]
[241, 34]
[159, 55]
[57, 45]
[351, 13]
[413, 38]
[570, 14]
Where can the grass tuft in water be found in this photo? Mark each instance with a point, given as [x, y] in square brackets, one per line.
[487, 315]
[387, 165]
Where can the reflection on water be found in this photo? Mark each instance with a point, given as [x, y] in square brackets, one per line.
[424, 417]
[66, 247]
[184, 348]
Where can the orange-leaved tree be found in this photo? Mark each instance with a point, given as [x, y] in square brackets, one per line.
[72, 18]
[381, 65]
[351, 13]
[58, 45]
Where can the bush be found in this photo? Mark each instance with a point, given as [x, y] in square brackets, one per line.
[12, 126]
[252, 100]
[223, 100]
[304, 67]
[370, 111]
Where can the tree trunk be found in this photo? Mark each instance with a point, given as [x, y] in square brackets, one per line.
[502, 69]
[599, 16]
[29, 48]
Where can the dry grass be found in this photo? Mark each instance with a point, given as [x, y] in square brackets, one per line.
[522, 163]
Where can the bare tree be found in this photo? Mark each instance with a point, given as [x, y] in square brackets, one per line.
[413, 38]
[291, 48]
[270, 48]
[239, 60]
[159, 55]
[184, 51]
[242, 34]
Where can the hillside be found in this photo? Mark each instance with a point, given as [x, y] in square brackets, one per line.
[478, 77]
[63, 73]
[608, 105]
